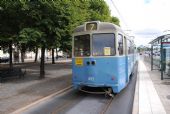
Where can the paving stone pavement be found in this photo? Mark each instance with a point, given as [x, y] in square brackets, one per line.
[17, 93]
[162, 86]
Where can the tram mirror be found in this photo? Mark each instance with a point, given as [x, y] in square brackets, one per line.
[91, 26]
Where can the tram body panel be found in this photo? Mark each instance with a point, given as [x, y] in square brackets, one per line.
[130, 63]
[107, 72]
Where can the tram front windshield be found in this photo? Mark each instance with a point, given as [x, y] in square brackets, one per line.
[103, 45]
[82, 45]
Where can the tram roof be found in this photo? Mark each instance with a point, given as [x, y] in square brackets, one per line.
[101, 26]
[166, 36]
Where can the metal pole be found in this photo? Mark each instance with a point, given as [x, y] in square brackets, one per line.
[161, 60]
[152, 57]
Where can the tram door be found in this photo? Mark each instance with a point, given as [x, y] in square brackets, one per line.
[81, 60]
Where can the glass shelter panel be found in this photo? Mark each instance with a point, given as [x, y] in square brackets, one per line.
[156, 55]
[82, 45]
[103, 45]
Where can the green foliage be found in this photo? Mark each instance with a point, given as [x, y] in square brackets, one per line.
[29, 35]
[9, 19]
[48, 22]
[115, 20]
[30, 24]
[99, 10]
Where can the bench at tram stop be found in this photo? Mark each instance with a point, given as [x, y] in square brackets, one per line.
[8, 73]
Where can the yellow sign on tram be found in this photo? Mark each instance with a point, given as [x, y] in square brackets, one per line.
[79, 61]
[107, 51]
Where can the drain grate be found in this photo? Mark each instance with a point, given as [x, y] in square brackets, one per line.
[166, 83]
[168, 97]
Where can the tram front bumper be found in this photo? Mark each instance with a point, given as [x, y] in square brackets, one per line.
[80, 84]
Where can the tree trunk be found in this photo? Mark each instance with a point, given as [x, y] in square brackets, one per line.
[36, 54]
[10, 55]
[42, 70]
[53, 60]
[56, 53]
[22, 56]
[23, 50]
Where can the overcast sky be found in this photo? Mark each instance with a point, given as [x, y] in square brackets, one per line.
[146, 19]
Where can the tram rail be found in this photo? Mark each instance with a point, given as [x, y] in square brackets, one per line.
[62, 91]
[107, 106]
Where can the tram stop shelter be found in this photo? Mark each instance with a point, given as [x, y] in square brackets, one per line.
[160, 55]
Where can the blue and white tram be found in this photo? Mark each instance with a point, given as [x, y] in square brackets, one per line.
[102, 56]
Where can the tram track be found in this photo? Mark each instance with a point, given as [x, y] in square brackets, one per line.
[21, 110]
[77, 96]
[73, 103]
[62, 107]
[77, 102]
[107, 106]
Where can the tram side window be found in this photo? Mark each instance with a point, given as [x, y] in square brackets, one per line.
[120, 44]
[103, 45]
[82, 45]
[125, 44]
[132, 48]
[129, 46]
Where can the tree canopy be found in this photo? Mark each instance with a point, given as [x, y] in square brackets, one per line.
[56, 19]
[31, 24]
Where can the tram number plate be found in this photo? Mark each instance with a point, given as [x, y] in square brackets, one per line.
[79, 61]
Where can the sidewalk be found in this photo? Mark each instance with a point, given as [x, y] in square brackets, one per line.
[17, 93]
[149, 101]
[162, 87]
[153, 93]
